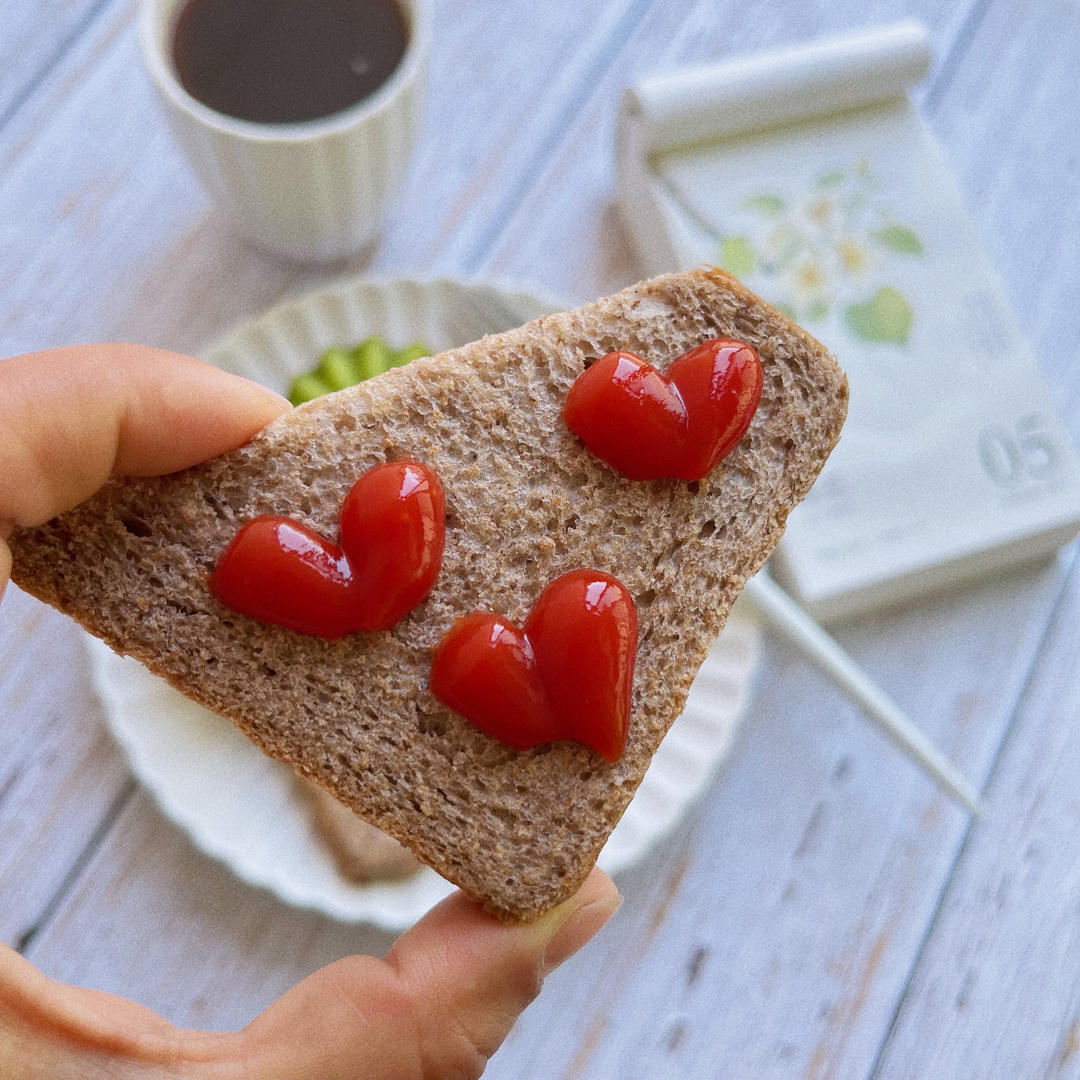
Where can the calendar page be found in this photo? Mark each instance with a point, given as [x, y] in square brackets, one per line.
[953, 462]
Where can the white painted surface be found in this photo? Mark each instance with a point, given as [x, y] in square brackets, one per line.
[824, 912]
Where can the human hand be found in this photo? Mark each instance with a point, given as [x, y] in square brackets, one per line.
[72, 417]
[449, 990]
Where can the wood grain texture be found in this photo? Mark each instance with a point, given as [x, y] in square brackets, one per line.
[155, 919]
[996, 992]
[35, 37]
[61, 776]
[823, 913]
[1005, 113]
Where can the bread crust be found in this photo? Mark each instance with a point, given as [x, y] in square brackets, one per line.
[525, 502]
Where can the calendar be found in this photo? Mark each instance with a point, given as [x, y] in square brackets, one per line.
[810, 175]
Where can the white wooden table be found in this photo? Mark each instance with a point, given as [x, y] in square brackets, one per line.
[824, 912]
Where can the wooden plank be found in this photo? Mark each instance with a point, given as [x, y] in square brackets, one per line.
[155, 919]
[61, 776]
[1006, 115]
[996, 992]
[34, 36]
[494, 116]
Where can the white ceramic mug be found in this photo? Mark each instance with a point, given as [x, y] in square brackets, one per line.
[313, 190]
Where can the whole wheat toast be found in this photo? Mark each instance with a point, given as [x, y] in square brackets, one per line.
[525, 502]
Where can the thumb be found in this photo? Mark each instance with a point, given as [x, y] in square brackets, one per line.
[438, 1006]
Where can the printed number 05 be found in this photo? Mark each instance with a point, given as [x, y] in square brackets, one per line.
[1028, 452]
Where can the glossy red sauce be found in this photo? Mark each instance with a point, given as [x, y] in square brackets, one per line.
[567, 674]
[679, 424]
[392, 532]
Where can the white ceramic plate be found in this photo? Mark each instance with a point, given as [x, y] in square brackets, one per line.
[240, 806]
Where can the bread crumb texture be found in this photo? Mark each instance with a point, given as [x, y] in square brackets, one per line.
[525, 502]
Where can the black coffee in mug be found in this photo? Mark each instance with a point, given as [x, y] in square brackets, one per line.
[285, 61]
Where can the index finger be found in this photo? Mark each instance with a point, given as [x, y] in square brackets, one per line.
[73, 416]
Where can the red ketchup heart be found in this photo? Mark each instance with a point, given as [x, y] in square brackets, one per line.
[392, 532]
[566, 675]
[679, 425]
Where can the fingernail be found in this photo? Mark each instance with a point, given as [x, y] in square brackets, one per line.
[580, 926]
[283, 403]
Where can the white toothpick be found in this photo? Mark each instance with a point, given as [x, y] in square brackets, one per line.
[785, 616]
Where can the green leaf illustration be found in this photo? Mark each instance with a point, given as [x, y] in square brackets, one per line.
[886, 316]
[769, 205]
[737, 256]
[817, 310]
[831, 179]
[898, 238]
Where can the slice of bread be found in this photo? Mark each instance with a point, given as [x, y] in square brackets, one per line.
[525, 503]
[360, 852]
